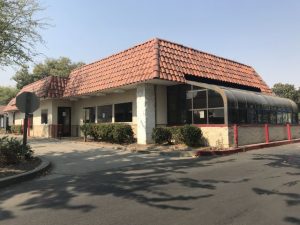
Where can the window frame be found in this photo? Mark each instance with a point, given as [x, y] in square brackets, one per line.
[43, 113]
[128, 119]
[90, 114]
[99, 111]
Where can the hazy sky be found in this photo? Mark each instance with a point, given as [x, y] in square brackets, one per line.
[262, 33]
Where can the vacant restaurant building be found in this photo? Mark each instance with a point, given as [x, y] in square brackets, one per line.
[160, 83]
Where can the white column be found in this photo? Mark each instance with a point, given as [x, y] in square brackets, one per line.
[145, 113]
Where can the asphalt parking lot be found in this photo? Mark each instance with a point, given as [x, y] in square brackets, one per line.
[92, 185]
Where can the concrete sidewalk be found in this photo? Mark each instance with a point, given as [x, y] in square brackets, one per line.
[71, 157]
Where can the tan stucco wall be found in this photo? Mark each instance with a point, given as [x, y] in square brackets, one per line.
[278, 133]
[256, 134]
[38, 129]
[18, 118]
[113, 98]
[216, 136]
[295, 130]
[127, 96]
[251, 135]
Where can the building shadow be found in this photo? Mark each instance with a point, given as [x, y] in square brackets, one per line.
[143, 182]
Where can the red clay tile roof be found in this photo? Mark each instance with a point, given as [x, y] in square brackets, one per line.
[11, 106]
[48, 87]
[2, 107]
[154, 59]
[159, 59]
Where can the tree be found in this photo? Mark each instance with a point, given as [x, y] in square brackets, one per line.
[60, 67]
[19, 31]
[6, 94]
[23, 77]
[287, 91]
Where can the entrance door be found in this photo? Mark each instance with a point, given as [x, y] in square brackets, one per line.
[64, 121]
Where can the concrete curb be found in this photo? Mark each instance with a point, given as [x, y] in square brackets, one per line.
[45, 164]
[179, 153]
[246, 148]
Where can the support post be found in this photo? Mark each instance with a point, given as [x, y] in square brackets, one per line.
[289, 133]
[145, 113]
[28, 128]
[25, 131]
[236, 135]
[267, 133]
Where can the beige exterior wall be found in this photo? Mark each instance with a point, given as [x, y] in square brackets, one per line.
[251, 135]
[295, 130]
[18, 118]
[256, 134]
[78, 106]
[77, 113]
[216, 136]
[38, 129]
[278, 133]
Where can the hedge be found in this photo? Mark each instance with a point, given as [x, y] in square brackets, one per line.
[191, 135]
[114, 132]
[187, 134]
[161, 135]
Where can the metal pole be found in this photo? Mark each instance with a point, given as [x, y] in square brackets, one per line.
[25, 131]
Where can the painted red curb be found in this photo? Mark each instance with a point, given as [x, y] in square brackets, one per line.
[245, 148]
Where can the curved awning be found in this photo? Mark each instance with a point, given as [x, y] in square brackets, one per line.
[245, 99]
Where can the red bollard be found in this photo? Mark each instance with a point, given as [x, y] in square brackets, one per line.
[289, 133]
[267, 133]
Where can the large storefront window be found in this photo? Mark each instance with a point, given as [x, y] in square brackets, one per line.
[189, 104]
[104, 114]
[123, 112]
[257, 108]
[89, 115]
[178, 104]
[194, 105]
[207, 106]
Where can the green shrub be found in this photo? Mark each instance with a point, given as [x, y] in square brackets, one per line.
[106, 132]
[122, 133]
[86, 130]
[161, 135]
[191, 135]
[11, 151]
[176, 133]
[94, 131]
[112, 132]
[16, 129]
